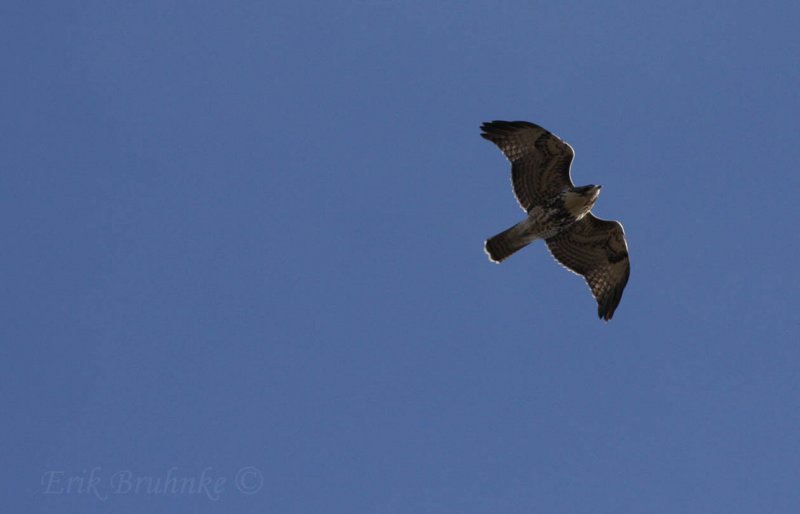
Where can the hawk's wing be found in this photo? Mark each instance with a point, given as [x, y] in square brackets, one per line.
[597, 250]
[540, 161]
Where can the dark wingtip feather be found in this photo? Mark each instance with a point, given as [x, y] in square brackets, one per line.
[490, 128]
[498, 130]
[609, 304]
[603, 311]
[506, 126]
[607, 307]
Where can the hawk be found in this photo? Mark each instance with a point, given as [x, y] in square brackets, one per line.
[558, 212]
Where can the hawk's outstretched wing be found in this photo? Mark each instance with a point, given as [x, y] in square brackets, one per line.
[540, 161]
[597, 250]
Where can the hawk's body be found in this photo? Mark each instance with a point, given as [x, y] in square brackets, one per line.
[559, 212]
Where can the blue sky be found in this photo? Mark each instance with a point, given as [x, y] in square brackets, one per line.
[243, 251]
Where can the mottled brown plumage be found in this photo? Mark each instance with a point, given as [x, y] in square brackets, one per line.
[558, 212]
[540, 161]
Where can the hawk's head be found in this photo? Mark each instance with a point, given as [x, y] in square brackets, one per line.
[580, 200]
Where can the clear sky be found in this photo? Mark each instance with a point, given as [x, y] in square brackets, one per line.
[243, 268]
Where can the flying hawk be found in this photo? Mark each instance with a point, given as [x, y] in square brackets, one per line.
[558, 212]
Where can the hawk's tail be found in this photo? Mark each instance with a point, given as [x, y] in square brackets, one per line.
[504, 244]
